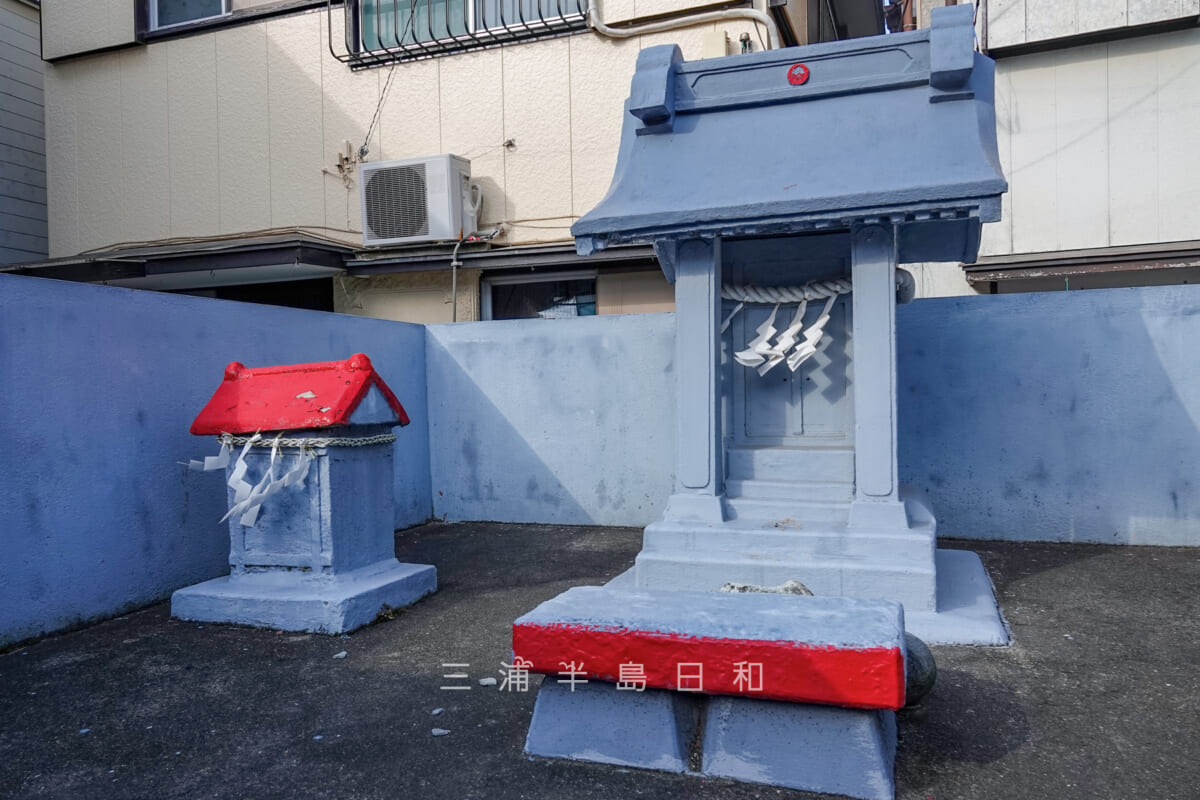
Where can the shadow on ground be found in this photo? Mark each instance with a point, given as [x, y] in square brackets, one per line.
[1098, 697]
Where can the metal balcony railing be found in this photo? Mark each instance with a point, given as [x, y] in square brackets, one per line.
[385, 31]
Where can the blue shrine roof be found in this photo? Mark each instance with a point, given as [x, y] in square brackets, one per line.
[897, 128]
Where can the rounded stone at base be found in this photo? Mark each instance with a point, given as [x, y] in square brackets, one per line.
[293, 600]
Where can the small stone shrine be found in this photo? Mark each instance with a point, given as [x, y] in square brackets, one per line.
[307, 454]
[779, 205]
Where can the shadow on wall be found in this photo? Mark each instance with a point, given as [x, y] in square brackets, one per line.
[1055, 417]
[561, 422]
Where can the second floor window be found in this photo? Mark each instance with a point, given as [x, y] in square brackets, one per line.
[165, 13]
[379, 31]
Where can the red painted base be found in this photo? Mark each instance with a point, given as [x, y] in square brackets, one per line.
[871, 678]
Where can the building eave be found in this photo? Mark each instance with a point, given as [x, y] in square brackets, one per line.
[198, 264]
[1066, 263]
[561, 256]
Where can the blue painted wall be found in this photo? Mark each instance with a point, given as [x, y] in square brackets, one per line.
[1067, 416]
[100, 386]
[567, 422]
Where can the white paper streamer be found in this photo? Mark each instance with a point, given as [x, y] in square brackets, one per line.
[247, 498]
[219, 461]
[785, 340]
[757, 350]
[812, 338]
[248, 502]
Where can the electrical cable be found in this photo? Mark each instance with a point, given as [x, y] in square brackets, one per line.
[387, 84]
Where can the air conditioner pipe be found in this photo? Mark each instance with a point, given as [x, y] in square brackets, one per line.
[753, 14]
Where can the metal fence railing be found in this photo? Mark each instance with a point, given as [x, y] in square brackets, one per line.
[385, 31]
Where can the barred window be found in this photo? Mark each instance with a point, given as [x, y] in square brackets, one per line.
[384, 31]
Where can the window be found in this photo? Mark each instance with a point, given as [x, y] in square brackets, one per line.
[165, 13]
[557, 295]
[381, 31]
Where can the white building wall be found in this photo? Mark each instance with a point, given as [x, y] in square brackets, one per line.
[1017, 22]
[1098, 145]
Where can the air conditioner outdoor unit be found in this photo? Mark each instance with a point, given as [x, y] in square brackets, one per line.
[413, 200]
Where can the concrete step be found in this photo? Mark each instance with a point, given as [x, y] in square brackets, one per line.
[788, 541]
[913, 585]
[820, 491]
[820, 464]
[785, 511]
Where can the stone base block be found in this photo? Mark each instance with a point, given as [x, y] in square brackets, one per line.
[797, 746]
[596, 722]
[770, 542]
[294, 600]
[967, 610]
[813, 748]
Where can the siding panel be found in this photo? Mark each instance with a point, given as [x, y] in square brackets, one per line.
[61, 180]
[23, 227]
[472, 107]
[1178, 121]
[294, 74]
[243, 129]
[97, 134]
[349, 103]
[80, 26]
[1133, 140]
[1033, 180]
[29, 192]
[192, 122]
[537, 174]
[146, 168]
[28, 74]
[1081, 154]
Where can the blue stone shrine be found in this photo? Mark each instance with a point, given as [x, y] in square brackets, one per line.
[307, 453]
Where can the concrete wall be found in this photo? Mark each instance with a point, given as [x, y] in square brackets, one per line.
[564, 421]
[1072, 416]
[22, 137]
[1097, 144]
[140, 148]
[101, 385]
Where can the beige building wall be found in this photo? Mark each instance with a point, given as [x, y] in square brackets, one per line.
[422, 297]
[425, 296]
[237, 130]
[81, 26]
[634, 293]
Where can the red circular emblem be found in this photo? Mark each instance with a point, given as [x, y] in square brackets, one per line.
[798, 75]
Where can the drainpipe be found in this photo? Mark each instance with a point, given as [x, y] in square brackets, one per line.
[753, 14]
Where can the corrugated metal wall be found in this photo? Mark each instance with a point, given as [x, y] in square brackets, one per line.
[22, 137]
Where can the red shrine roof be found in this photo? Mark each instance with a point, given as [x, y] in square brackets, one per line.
[296, 397]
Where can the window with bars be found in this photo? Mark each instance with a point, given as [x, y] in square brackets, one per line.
[384, 31]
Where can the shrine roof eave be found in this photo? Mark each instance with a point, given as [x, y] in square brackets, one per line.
[895, 129]
[927, 231]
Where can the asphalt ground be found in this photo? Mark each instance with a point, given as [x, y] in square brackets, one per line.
[1098, 697]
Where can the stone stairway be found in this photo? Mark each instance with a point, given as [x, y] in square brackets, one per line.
[787, 517]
